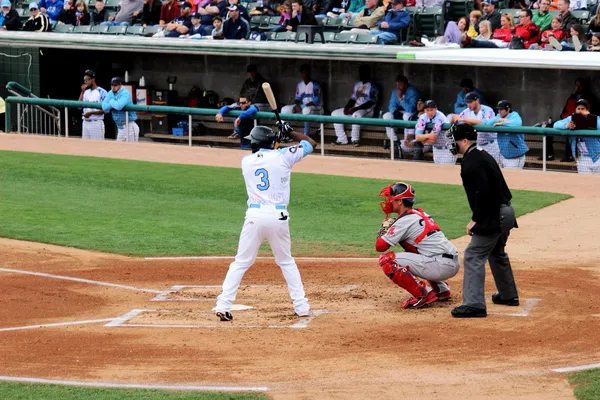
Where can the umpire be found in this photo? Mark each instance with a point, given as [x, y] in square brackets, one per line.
[493, 218]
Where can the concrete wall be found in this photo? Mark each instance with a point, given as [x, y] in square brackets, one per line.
[535, 93]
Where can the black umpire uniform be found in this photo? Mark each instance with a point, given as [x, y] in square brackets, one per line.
[494, 217]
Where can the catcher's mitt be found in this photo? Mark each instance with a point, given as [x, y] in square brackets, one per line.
[385, 225]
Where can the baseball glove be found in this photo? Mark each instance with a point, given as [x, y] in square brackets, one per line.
[385, 225]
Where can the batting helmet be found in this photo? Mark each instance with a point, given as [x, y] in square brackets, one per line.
[261, 137]
[397, 191]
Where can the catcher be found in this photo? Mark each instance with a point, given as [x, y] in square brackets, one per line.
[428, 254]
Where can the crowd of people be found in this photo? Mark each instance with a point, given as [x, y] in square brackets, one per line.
[542, 25]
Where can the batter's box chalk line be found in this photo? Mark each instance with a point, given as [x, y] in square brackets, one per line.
[123, 321]
[524, 312]
[168, 294]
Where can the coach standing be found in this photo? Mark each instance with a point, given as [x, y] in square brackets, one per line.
[117, 99]
[93, 119]
[493, 218]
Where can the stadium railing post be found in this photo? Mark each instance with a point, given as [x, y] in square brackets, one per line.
[67, 122]
[544, 153]
[127, 126]
[7, 116]
[18, 118]
[322, 139]
[190, 129]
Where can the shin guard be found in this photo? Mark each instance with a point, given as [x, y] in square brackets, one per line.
[402, 277]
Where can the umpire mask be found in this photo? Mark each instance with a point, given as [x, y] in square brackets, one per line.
[459, 132]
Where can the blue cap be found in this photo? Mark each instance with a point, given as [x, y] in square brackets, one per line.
[32, 6]
[6, 3]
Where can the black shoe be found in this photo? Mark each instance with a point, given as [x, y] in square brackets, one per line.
[468, 312]
[224, 316]
[567, 159]
[548, 158]
[497, 299]
[386, 145]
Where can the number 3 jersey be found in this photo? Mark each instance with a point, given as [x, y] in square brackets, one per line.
[418, 233]
[267, 173]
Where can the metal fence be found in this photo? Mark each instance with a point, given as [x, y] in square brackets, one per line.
[68, 119]
[33, 118]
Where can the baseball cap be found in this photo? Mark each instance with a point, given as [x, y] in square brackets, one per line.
[467, 82]
[232, 7]
[503, 105]
[471, 96]
[394, 2]
[5, 3]
[88, 72]
[582, 102]
[115, 81]
[492, 2]
[33, 6]
[430, 104]
[186, 5]
[196, 15]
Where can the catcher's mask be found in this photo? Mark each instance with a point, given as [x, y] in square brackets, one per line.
[459, 132]
[261, 137]
[396, 191]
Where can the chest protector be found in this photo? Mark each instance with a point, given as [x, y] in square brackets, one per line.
[429, 227]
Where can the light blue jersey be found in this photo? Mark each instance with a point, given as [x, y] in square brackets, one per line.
[115, 103]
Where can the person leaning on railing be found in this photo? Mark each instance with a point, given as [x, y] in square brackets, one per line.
[115, 101]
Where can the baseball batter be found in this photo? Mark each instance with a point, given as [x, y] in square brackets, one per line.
[428, 254]
[93, 119]
[267, 176]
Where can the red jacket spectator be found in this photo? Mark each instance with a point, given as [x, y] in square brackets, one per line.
[530, 33]
[169, 11]
[503, 34]
[559, 34]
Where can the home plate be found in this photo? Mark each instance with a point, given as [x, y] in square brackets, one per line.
[236, 307]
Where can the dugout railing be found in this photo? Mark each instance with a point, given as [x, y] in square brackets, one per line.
[321, 120]
[33, 118]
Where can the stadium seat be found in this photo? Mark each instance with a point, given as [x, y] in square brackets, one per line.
[151, 30]
[251, 6]
[98, 29]
[321, 21]
[344, 37]
[515, 12]
[329, 37]
[346, 24]
[111, 4]
[454, 9]
[365, 39]
[135, 30]
[333, 24]
[582, 16]
[257, 20]
[82, 29]
[430, 22]
[117, 30]
[281, 36]
[62, 28]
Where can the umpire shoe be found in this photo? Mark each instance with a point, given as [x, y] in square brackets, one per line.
[224, 315]
[418, 302]
[468, 312]
[497, 299]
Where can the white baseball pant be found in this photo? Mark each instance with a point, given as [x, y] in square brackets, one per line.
[134, 133]
[514, 163]
[339, 128]
[443, 156]
[493, 150]
[585, 165]
[260, 224]
[92, 129]
[391, 132]
[436, 269]
[318, 110]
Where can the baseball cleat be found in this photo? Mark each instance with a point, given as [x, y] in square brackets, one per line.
[224, 315]
[303, 314]
[497, 299]
[418, 302]
[444, 296]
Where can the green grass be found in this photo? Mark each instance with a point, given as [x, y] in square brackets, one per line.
[587, 384]
[152, 209]
[24, 391]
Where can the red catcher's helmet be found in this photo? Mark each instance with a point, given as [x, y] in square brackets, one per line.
[396, 191]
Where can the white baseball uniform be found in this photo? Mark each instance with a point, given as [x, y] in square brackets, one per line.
[93, 127]
[441, 152]
[267, 176]
[306, 93]
[486, 141]
[362, 93]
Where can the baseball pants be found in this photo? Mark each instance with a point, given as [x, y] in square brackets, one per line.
[92, 129]
[133, 136]
[434, 269]
[493, 150]
[339, 128]
[391, 132]
[490, 248]
[514, 163]
[443, 156]
[427, 148]
[585, 165]
[307, 110]
[260, 224]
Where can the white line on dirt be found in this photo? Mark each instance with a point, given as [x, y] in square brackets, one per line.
[69, 278]
[260, 258]
[91, 321]
[135, 385]
[579, 368]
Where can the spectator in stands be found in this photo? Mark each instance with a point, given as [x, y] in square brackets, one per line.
[555, 30]
[38, 22]
[244, 123]
[196, 30]
[284, 19]
[236, 27]
[485, 31]
[390, 28]
[477, 114]
[67, 14]
[370, 16]
[356, 6]
[501, 37]
[209, 11]
[241, 9]
[466, 86]
[581, 93]
[435, 137]
[180, 25]
[567, 18]
[402, 105]
[10, 17]
[490, 14]
[129, 9]
[308, 97]
[543, 18]
[574, 42]
[512, 145]
[594, 43]
[527, 30]
[455, 32]
[168, 12]
[82, 15]
[594, 26]
[151, 13]
[474, 18]
[579, 5]
[217, 32]
[252, 89]
[99, 13]
[114, 102]
[300, 16]
[586, 149]
[361, 105]
[52, 8]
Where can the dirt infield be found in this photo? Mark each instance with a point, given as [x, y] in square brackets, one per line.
[359, 343]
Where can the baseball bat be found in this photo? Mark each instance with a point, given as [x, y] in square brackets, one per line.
[271, 99]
